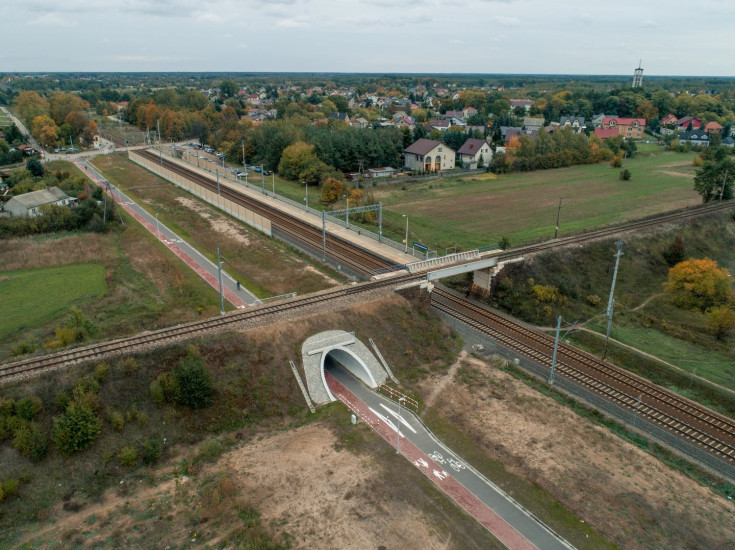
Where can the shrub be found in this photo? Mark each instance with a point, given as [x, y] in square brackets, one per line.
[28, 407]
[594, 300]
[721, 322]
[504, 243]
[616, 162]
[7, 407]
[29, 345]
[698, 284]
[101, 372]
[128, 457]
[151, 451]
[76, 429]
[134, 414]
[115, 419]
[31, 442]
[625, 175]
[196, 389]
[10, 486]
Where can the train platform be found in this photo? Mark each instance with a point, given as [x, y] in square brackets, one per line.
[353, 234]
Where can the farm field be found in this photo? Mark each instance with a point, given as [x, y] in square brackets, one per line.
[59, 288]
[263, 265]
[476, 210]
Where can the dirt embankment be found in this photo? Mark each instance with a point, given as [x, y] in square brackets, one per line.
[626, 494]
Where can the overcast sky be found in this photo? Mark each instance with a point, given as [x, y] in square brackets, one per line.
[673, 37]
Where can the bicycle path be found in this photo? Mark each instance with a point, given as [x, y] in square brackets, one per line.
[507, 520]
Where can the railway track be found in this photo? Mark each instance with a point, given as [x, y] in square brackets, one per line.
[357, 259]
[688, 420]
[166, 336]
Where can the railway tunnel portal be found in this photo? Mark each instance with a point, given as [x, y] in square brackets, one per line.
[337, 346]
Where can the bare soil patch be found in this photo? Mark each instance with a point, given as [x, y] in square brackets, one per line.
[618, 489]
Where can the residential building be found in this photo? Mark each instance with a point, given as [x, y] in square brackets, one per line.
[713, 127]
[29, 204]
[344, 117]
[728, 142]
[695, 137]
[473, 151]
[669, 119]
[468, 112]
[429, 155]
[604, 133]
[683, 123]
[598, 120]
[631, 128]
[576, 123]
[531, 123]
[525, 103]
[441, 125]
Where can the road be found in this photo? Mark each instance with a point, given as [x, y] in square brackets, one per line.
[512, 524]
[205, 268]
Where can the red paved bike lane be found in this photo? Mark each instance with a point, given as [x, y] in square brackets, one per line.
[501, 529]
[230, 296]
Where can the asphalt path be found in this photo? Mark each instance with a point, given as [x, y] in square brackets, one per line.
[512, 524]
[238, 297]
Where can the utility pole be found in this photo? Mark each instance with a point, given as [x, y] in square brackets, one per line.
[324, 236]
[160, 149]
[724, 181]
[558, 214]
[556, 347]
[611, 300]
[221, 291]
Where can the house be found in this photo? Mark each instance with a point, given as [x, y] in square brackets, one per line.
[669, 119]
[441, 125]
[344, 117]
[27, 150]
[428, 155]
[631, 128]
[29, 204]
[683, 123]
[473, 151]
[576, 123]
[695, 137]
[510, 133]
[525, 103]
[598, 120]
[532, 123]
[360, 123]
[468, 112]
[713, 126]
[604, 133]
[459, 115]
[728, 142]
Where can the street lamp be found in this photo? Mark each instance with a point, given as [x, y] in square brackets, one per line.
[306, 194]
[158, 231]
[406, 216]
[398, 431]
[221, 290]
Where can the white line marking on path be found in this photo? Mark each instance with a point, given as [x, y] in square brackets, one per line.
[386, 420]
[403, 420]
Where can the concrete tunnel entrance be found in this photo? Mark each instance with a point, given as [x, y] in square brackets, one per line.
[337, 349]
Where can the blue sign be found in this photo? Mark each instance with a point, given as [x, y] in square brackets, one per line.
[420, 246]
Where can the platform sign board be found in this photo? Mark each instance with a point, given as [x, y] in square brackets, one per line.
[419, 246]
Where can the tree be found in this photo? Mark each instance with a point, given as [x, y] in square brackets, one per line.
[35, 167]
[710, 179]
[698, 284]
[30, 105]
[331, 190]
[228, 88]
[676, 253]
[721, 322]
[76, 429]
[196, 389]
[504, 243]
[294, 159]
[625, 174]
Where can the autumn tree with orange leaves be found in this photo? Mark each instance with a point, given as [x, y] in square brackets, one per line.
[699, 284]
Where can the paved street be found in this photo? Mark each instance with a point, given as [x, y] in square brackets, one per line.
[191, 256]
[505, 518]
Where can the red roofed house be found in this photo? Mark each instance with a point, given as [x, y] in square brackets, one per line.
[669, 119]
[713, 127]
[604, 133]
[473, 149]
[428, 155]
[627, 127]
[683, 123]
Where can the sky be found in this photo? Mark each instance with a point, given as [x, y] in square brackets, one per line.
[672, 37]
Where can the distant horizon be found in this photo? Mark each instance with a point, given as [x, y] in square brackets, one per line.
[564, 37]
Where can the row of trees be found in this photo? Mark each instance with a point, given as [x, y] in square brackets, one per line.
[60, 119]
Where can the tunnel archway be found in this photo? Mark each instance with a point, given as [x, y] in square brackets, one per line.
[325, 349]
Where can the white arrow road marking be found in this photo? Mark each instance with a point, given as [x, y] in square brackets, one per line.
[403, 420]
[386, 420]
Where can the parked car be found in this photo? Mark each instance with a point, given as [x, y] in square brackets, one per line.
[267, 172]
[257, 169]
[241, 174]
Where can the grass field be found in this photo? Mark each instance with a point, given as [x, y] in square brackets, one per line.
[35, 296]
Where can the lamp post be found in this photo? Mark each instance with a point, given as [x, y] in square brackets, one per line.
[306, 194]
[158, 231]
[406, 216]
[221, 291]
[398, 431]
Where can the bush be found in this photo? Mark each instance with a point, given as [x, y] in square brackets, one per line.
[101, 372]
[28, 407]
[10, 486]
[616, 162]
[504, 243]
[625, 175]
[76, 429]
[128, 457]
[115, 419]
[29, 345]
[31, 442]
[151, 452]
[196, 389]
[7, 407]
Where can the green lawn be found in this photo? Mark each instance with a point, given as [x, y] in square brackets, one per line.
[35, 296]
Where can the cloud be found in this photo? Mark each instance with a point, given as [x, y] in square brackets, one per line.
[243, 45]
[210, 18]
[506, 21]
[53, 20]
[291, 23]
[455, 41]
